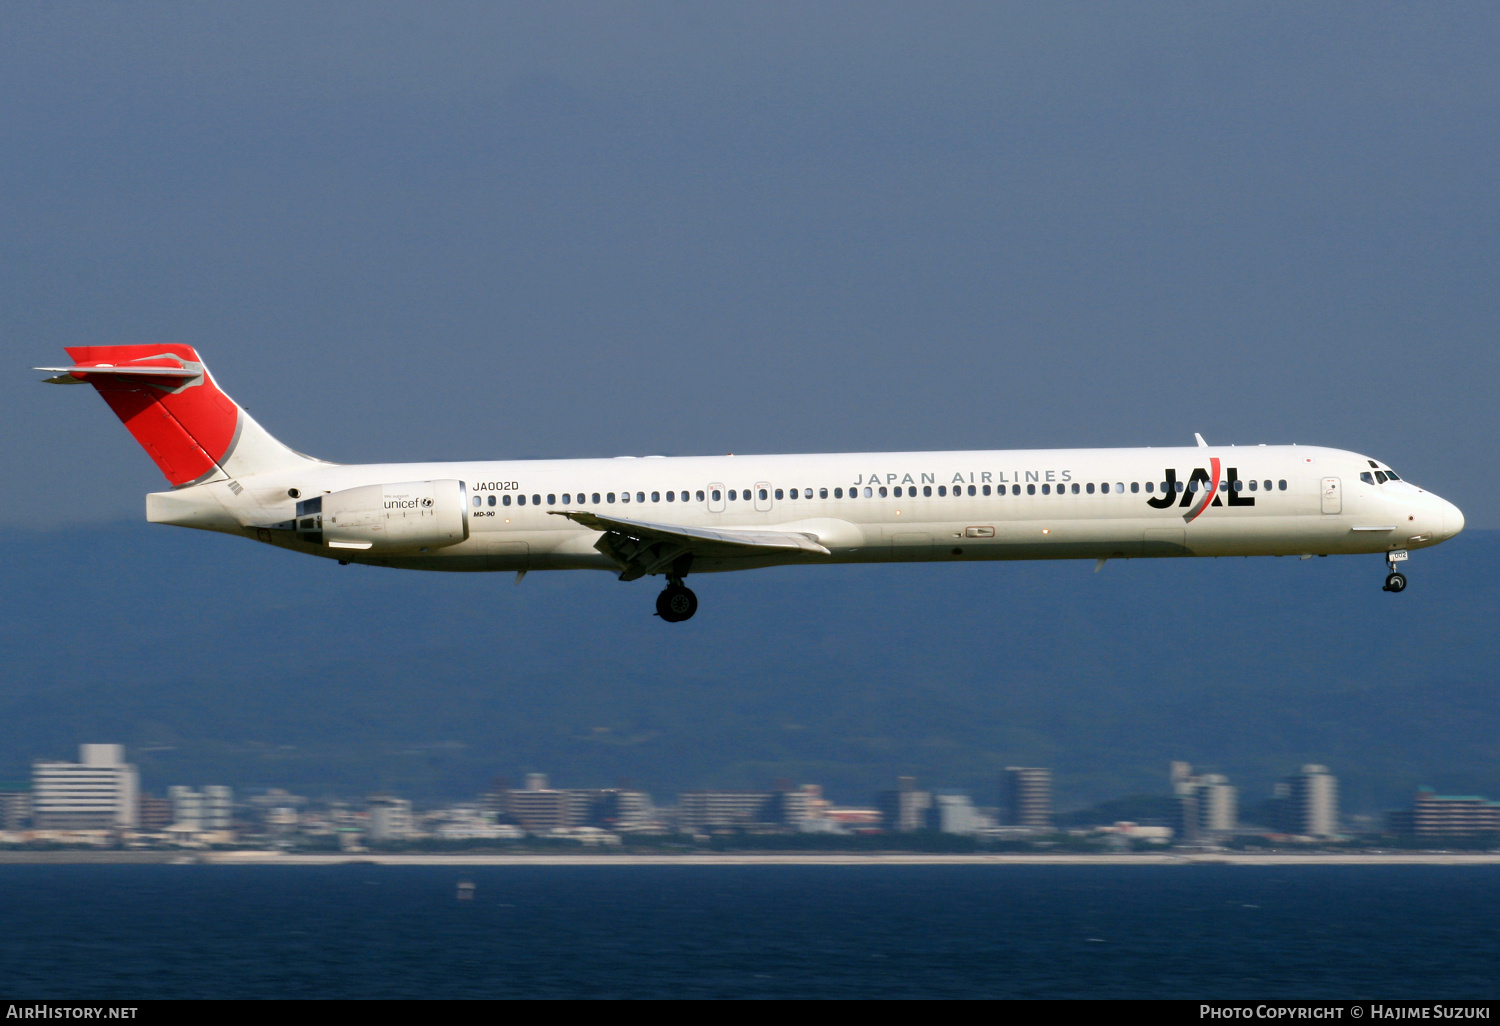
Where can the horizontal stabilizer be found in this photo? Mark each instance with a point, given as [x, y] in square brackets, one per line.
[80, 375]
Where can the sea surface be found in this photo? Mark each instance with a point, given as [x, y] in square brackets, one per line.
[367, 931]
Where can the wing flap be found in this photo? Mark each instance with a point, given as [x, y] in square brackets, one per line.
[703, 540]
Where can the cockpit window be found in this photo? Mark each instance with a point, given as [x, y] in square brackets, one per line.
[1380, 476]
[1367, 478]
[1392, 475]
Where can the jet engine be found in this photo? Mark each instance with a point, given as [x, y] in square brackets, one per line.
[412, 516]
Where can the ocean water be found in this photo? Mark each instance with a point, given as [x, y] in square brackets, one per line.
[365, 931]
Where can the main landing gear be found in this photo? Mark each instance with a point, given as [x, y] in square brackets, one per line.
[1395, 580]
[676, 603]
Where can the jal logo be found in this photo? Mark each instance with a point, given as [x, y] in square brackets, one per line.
[1201, 490]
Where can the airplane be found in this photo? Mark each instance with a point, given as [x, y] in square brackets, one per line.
[668, 516]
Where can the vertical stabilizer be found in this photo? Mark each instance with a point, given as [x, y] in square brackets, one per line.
[171, 405]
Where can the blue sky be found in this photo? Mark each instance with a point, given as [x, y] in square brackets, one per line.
[495, 230]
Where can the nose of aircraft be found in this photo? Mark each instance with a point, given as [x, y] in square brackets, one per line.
[1453, 520]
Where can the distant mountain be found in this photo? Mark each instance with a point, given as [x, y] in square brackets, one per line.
[221, 661]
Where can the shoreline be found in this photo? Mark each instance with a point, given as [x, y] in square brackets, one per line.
[270, 858]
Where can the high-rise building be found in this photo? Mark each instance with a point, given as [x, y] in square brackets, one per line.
[1217, 804]
[1207, 804]
[1028, 797]
[904, 809]
[98, 792]
[1311, 802]
[390, 818]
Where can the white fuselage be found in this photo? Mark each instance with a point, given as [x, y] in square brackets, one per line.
[879, 507]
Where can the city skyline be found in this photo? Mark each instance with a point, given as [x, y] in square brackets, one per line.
[101, 793]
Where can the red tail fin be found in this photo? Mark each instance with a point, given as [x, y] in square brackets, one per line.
[179, 416]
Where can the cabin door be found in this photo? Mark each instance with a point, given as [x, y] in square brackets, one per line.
[1333, 496]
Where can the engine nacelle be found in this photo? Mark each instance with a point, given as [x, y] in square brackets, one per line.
[388, 518]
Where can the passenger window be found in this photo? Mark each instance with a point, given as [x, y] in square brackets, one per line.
[700, 495]
[478, 501]
[492, 500]
[838, 493]
[1239, 485]
[671, 496]
[1266, 486]
[868, 491]
[1135, 487]
[733, 495]
[1223, 486]
[1075, 489]
[1046, 489]
[763, 493]
[1179, 486]
[624, 496]
[882, 491]
[715, 495]
[1379, 476]
[552, 500]
[505, 500]
[1015, 489]
[1150, 487]
[927, 490]
[520, 500]
[986, 489]
[1252, 485]
[971, 489]
[896, 491]
[1031, 489]
[609, 496]
[822, 493]
[942, 490]
[656, 496]
[1090, 488]
[1281, 484]
[640, 496]
[596, 498]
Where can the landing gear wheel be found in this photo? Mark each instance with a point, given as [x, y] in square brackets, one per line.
[676, 604]
[1395, 582]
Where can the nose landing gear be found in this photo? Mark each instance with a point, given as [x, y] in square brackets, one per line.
[1395, 580]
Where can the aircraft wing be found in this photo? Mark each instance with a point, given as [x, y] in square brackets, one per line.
[641, 547]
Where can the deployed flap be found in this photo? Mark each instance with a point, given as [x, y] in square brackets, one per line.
[641, 548]
[699, 539]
